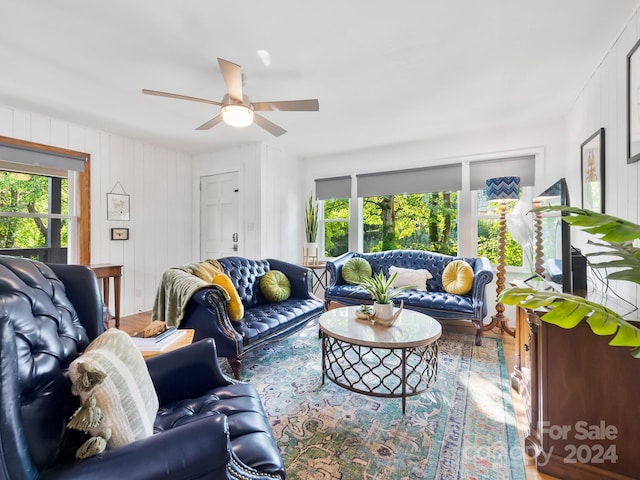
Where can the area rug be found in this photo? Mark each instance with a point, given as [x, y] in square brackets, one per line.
[464, 427]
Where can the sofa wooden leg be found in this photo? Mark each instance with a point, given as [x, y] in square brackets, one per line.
[479, 330]
[235, 364]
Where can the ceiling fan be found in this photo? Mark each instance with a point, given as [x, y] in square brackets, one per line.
[236, 109]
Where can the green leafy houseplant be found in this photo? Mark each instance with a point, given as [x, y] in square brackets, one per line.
[615, 240]
[380, 289]
[311, 220]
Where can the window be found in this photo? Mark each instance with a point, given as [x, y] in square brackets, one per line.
[34, 220]
[488, 233]
[38, 160]
[336, 227]
[419, 221]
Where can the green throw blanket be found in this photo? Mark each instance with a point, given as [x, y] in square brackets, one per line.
[175, 289]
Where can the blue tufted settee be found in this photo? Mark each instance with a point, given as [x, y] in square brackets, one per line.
[207, 313]
[435, 302]
[208, 426]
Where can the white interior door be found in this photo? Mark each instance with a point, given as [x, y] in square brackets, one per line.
[219, 236]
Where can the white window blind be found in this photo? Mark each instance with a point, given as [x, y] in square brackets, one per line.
[442, 178]
[335, 187]
[523, 167]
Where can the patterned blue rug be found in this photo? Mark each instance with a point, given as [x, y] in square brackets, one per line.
[464, 427]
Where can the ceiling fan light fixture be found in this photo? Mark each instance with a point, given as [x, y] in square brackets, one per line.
[237, 115]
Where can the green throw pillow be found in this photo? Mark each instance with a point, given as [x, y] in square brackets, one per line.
[275, 286]
[356, 270]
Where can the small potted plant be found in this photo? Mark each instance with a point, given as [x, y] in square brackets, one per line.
[381, 290]
[311, 228]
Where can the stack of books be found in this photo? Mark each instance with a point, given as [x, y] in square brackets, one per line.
[158, 342]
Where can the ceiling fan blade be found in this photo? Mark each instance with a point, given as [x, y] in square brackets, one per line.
[211, 123]
[232, 74]
[180, 97]
[269, 126]
[311, 105]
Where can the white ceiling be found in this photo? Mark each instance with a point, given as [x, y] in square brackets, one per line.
[384, 72]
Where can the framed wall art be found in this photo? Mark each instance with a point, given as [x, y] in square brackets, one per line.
[592, 164]
[633, 104]
[117, 206]
[119, 234]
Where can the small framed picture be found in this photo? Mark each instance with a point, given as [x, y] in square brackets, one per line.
[119, 234]
[117, 206]
[592, 162]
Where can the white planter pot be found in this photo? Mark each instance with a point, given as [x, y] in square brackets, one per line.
[384, 314]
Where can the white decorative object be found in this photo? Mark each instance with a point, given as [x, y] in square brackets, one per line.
[310, 254]
[410, 277]
[383, 313]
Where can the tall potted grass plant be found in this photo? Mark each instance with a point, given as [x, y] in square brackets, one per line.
[311, 229]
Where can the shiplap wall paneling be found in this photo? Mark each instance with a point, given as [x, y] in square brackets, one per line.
[138, 236]
[145, 213]
[6, 121]
[123, 172]
[22, 125]
[608, 109]
[158, 182]
[625, 180]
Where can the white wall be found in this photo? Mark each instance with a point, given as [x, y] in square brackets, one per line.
[158, 181]
[270, 199]
[602, 103]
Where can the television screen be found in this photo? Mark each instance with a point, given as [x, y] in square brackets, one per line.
[552, 241]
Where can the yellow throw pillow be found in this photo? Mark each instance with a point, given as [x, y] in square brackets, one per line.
[457, 277]
[234, 305]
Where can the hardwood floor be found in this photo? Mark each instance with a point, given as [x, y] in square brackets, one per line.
[134, 323]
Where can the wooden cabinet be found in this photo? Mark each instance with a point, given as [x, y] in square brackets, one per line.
[582, 399]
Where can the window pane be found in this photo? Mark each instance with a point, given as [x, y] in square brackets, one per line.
[420, 221]
[336, 238]
[336, 209]
[18, 232]
[28, 193]
[336, 227]
[489, 232]
[32, 195]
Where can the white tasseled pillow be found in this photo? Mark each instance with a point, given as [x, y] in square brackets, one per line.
[113, 372]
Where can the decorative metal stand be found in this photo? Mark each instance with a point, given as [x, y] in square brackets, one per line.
[380, 372]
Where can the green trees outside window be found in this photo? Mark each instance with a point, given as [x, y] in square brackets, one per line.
[419, 221]
[336, 227]
[488, 233]
[31, 215]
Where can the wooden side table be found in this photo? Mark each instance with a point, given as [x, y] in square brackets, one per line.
[186, 339]
[105, 271]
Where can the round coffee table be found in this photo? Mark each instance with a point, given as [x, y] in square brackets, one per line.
[394, 362]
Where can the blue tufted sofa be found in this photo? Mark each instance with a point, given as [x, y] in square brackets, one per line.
[208, 426]
[435, 302]
[206, 311]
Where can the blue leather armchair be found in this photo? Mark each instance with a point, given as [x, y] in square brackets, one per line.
[208, 425]
[435, 302]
